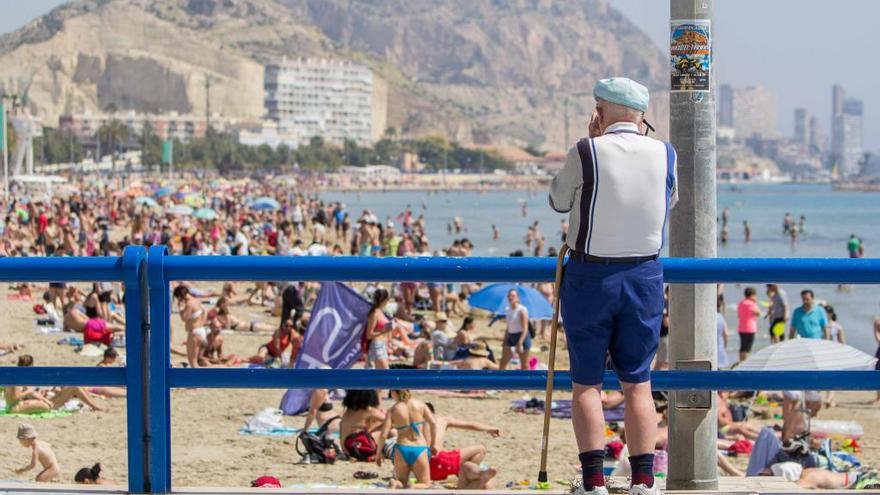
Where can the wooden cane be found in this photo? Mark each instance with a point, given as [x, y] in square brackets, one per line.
[551, 365]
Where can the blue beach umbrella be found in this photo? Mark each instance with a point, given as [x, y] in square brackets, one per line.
[164, 191]
[494, 298]
[144, 200]
[205, 214]
[265, 203]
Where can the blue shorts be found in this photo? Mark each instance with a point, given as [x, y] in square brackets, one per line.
[612, 308]
[513, 338]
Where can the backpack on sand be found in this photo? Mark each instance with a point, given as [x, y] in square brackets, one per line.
[318, 447]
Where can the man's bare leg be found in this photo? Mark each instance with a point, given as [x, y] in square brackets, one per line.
[587, 417]
[640, 419]
[471, 477]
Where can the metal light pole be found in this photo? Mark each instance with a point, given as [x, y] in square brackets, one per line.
[693, 422]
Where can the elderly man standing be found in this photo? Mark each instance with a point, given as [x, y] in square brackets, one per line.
[618, 185]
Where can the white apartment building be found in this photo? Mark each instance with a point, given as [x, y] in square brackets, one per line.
[319, 97]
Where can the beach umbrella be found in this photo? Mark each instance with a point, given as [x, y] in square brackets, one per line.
[164, 191]
[205, 214]
[494, 298]
[144, 200]
[194, 201]
[808, 355]
[265, 203]
[179, 210]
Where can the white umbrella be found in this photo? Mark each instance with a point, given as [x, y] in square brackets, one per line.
[179, 210]
[808, 355]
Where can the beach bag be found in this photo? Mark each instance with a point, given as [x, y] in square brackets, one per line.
[318, 447]
[361, 446]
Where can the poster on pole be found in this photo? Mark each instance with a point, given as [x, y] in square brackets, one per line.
[691, 55]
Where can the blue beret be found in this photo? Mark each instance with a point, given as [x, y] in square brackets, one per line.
[623, 91]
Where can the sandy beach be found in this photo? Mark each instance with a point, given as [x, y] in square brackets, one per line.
[209, 451]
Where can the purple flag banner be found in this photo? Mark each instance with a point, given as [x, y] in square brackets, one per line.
[332, 339]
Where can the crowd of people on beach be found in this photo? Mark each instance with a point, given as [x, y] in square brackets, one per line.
[409, 325]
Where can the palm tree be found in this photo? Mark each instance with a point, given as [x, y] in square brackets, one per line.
[113, 133]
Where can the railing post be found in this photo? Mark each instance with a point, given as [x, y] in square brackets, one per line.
[160, 360]
[133, 276]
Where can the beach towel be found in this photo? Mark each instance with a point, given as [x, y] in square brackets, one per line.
[74, 341]
[561, 409]
[763, 451]
[41, 415]
[281, 431]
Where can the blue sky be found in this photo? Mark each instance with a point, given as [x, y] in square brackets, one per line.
[797, 48]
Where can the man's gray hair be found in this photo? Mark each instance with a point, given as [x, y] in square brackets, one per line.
[614, 112]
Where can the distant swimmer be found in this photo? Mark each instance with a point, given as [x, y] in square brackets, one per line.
[525, 209]
[793, 231]
[747, 231]
[563, 229]
[801, 222]
[724, 234]
[787, 223]
[457, 223]
[495, 233]
[424, 204]
[725, 214]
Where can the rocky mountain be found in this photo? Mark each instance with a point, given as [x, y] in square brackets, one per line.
[481, 71]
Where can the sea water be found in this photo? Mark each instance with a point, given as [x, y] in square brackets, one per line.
[830, 219]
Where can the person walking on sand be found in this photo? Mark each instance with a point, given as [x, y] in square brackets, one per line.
[516, 338]
[618, 186]
[777, 313]
[809, 321]
[748, 312]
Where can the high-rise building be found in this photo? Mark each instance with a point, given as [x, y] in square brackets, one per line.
[725, 106]
[815, 139]
[847, 116]
[837, 96]
[320, 98]
[754, 113]
[802, 122]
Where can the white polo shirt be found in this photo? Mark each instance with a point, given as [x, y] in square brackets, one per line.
[619, 188]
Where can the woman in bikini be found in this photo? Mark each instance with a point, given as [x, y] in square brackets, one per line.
[193, 317]
[361, 424]
[412, 451]
[27, 400]
[375, 337]
[270, 354]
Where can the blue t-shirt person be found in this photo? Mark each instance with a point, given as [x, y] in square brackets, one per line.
[810, 324]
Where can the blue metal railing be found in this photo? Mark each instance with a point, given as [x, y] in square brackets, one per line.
[127, 269]
[150, 378]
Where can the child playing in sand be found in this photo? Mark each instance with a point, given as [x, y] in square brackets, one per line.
[41, 452]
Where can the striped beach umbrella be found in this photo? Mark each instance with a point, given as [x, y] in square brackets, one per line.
[808, 355]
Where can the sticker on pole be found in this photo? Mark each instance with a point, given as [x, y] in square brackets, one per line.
[691, 55]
